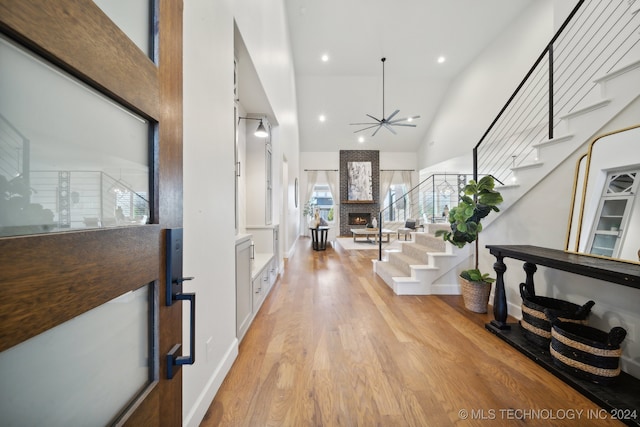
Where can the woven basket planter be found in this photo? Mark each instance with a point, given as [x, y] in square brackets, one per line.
[587, 352]
[535, 326]
[475, 295]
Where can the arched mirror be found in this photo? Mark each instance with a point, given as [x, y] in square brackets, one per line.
[605, 218]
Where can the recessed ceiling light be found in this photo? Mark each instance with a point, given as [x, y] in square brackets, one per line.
[441, 59]
[322, 118]
[409, 119]
[325, 57]
[361, 139]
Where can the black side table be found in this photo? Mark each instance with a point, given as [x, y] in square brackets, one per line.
[319, 238]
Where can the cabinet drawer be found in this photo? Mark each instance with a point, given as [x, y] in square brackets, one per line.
[260, 287]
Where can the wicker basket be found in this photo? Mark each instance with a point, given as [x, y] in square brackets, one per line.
[587, 352]
[475, 295]
[535, 326]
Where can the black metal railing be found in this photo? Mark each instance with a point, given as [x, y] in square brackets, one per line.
[73, 200]
[14, 152]
[426, 203]
[595, 38]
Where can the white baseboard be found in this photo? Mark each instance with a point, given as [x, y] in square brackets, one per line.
[445, 289]
[195, 416]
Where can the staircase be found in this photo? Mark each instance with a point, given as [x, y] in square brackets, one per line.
[617, 90]
[426, 265]
[586, 77]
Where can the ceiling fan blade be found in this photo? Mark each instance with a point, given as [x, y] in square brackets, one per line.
[404, 119]
[379, 121]
[392, 114]
[362, 124]
[402, 124]
[360, 130]
[390, 129]
[376, 131]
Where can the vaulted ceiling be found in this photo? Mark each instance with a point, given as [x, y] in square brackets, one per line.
[355, 35]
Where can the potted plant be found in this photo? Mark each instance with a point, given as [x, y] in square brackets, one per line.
[478, 201]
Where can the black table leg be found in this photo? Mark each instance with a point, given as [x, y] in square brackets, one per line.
[500, 297]
[323, 240]
[529, 268]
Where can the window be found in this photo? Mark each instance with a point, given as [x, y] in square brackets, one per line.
[67, 152]
[324, 201]
[395, 199]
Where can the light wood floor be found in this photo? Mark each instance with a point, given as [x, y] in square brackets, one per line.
[333, 346]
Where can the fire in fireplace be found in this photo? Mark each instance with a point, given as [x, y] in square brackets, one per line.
[359, 218]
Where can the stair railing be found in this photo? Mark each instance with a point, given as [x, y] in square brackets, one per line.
[595, 38]
[14, 152]
[426, 203]
[82, 199]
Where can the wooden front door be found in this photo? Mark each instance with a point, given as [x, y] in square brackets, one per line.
[50, 279]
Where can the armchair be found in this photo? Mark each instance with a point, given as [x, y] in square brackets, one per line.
[409, 226]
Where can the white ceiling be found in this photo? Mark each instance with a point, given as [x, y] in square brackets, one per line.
[356, 34]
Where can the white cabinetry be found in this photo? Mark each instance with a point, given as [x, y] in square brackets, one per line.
[261, 279]
[244, 291]
[256, 272]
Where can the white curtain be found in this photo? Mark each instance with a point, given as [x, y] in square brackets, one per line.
[332, 180]
[312, 177]
[411, 208]
[386, 178]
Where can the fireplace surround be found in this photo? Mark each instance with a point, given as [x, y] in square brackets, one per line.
[358, 207]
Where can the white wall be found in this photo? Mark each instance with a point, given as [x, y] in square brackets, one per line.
[209, 237]
[477, 95]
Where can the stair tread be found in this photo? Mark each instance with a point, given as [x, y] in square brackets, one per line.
[391, 270]
[425, 249]
[408, 258]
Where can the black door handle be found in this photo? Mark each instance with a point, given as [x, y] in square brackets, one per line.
[173, 360]
[174, 293]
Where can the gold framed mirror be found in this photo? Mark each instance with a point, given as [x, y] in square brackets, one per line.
[605, 216]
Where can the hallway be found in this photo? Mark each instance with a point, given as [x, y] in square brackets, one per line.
[332, 346]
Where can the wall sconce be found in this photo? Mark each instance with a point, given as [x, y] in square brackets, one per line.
[261, 131]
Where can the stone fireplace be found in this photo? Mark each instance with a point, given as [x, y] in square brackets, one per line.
[360, 212]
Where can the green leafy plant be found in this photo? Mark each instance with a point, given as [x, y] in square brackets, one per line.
[478, 201]
[475, 275]
[330, 215]
[309, 208]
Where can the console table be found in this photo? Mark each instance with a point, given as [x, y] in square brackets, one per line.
[623, 396]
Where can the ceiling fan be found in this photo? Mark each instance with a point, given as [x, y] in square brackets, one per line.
[387, 122]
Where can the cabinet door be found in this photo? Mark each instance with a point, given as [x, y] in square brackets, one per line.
[244, 294]
[273, 272]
